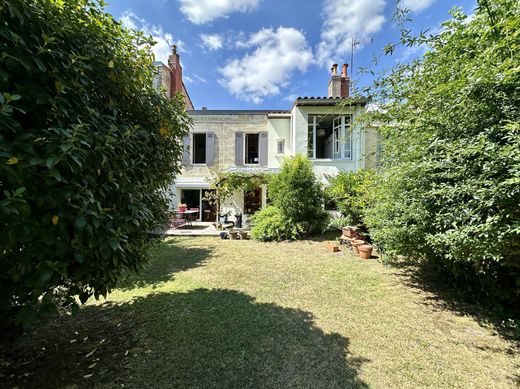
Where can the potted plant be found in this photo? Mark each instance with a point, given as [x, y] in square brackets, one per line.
[349, 231]
[233, 235]
[243, 235]
[355, 245]
[182, 207]
[365, 251]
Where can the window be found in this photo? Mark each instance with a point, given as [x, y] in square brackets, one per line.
[199, 148]
[252, 148]
[347, 137]
[329, 137]
[280, 149]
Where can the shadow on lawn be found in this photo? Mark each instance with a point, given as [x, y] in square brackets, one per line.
[168, 258]
[443, 296]
[202, 338]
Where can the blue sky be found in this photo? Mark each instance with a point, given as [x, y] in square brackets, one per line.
[262, 54]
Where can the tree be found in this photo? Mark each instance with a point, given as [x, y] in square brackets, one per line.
[350, 193]
[88, 150]
[449, 189]
[296, 192]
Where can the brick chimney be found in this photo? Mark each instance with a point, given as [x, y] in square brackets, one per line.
[345, 81]
[176, 84]
[175, 65]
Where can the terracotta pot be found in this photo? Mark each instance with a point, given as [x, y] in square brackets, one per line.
[357, 235]
[355, 244]
[365, 251]
[346, 232]
[349, 232]
[332, 247]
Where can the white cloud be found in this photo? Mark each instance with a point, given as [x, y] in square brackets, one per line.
[212, 42]
[291, 97]
[163, 40]
[204, 11]
[263, 72]
[346, 20]
[416, 5]
[408, 54]
[199, 78]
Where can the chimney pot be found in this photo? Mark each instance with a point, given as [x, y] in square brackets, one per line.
[344, 70]
[334, 69]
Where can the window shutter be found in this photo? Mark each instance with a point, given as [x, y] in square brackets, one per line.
[239, 148]
[262, 160]
[186, 150]
[210, 148]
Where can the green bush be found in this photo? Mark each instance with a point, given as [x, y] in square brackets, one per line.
[271, 224]
[339, 223]
[299, 195]
[450, 188]
[350, 192]
[88, 150]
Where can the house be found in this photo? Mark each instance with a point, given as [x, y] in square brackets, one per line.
[259, 140]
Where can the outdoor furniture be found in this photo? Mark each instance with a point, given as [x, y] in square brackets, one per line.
[186, 215]
[196, 214]
[176, 223]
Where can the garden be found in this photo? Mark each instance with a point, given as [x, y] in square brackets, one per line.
[90, 296]
[207, 313]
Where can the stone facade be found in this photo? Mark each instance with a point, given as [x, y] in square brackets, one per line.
[281, 134]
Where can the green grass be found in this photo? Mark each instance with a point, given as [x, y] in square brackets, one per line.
[213, 313]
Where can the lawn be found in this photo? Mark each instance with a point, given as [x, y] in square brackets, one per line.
[236, 314]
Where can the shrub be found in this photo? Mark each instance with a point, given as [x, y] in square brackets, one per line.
[340, 222]
[299, 195]
[271, 224]
[350, 192]
[451, 181]
[88, 151]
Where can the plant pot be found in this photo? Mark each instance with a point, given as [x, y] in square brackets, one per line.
[355, 245]
[233, 235]
[243, 235]
[332, 247]
[365, 251]
[358, 236]
[223, 235]
[346, 231]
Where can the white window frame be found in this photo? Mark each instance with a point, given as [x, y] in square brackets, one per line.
[280, 145]
[347, 136]
[342, 150]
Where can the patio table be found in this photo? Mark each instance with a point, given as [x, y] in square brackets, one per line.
[186, 215]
